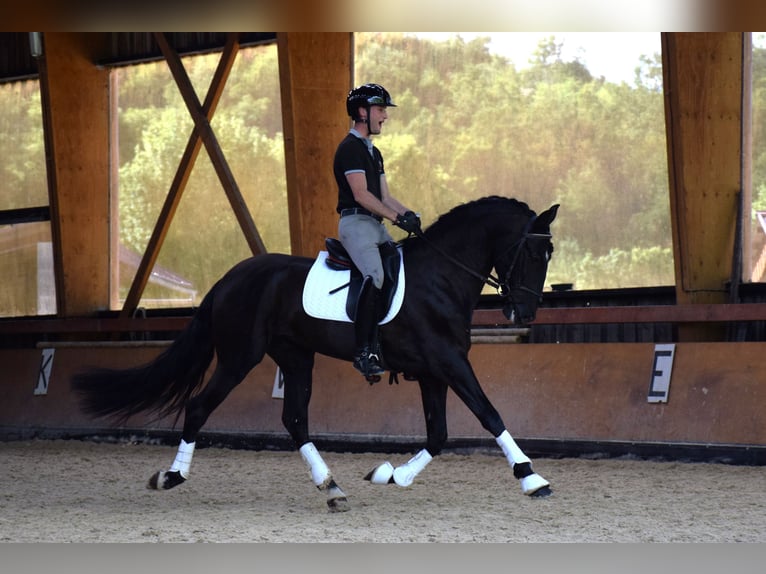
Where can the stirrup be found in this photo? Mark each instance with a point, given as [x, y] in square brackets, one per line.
[368, 364]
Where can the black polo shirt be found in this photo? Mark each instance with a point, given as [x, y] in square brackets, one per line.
[354, 155]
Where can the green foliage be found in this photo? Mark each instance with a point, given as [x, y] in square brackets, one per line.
[204, 239]
[468, 124]
[22, 153]
[759, 129]
[634, 267]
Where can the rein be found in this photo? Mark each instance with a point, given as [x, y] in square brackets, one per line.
[490, 279]
[502, 287]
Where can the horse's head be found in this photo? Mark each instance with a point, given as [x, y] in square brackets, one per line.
[523, 267]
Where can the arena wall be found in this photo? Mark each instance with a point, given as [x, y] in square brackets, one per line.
[558, 393]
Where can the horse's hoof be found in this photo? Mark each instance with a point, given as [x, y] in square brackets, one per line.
[154, 481]
[383, 474]
[165, 480]
[336, 498]
[543, 492]
[339, 504]
[533, 483]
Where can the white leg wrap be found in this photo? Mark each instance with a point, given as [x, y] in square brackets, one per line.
[510, 449]
[182, 463]
[382, 473]
[405, 474]
[532, 483]
[320, 474]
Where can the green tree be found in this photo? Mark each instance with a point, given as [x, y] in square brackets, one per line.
[468, 124]
[204, 239]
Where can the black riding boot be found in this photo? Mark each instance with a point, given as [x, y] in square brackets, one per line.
[366, 358]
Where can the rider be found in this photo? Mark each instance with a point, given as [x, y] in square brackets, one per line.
[364, 201]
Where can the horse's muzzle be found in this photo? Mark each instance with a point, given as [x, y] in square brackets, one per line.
[518, 314]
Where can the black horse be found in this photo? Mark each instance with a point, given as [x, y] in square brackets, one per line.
[256, 309]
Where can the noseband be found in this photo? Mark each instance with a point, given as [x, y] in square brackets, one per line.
[505, 289]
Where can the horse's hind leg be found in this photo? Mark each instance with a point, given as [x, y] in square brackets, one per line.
[296, 365]
[434, 396]
[198, 410]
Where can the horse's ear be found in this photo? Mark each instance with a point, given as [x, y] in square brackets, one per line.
[547, 216]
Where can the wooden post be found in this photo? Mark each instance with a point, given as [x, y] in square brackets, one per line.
[75, 96]
[315, 71]
[703, 75]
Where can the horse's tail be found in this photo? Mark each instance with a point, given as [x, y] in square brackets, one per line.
[161, 386]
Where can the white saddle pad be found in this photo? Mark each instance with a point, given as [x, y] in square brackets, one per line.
[319, 303]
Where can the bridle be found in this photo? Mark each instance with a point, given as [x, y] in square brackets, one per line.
[503, 288]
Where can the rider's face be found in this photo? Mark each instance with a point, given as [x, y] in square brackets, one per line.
[378, 115]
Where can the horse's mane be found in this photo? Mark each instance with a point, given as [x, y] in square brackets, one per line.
[491, 205]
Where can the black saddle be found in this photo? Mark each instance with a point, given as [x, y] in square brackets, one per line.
[339, 260]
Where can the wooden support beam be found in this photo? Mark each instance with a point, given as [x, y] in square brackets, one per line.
[214, 150]
[315, 71]
[703, 96]
[181, 178]
[703, 74]
[75, 99]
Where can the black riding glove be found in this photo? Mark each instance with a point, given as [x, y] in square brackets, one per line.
[410, 222]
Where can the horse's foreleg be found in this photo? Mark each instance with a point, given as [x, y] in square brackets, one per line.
[468, 389]
[434, 395]
[532, 483]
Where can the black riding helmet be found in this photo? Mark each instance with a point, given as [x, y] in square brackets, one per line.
[367, 95]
